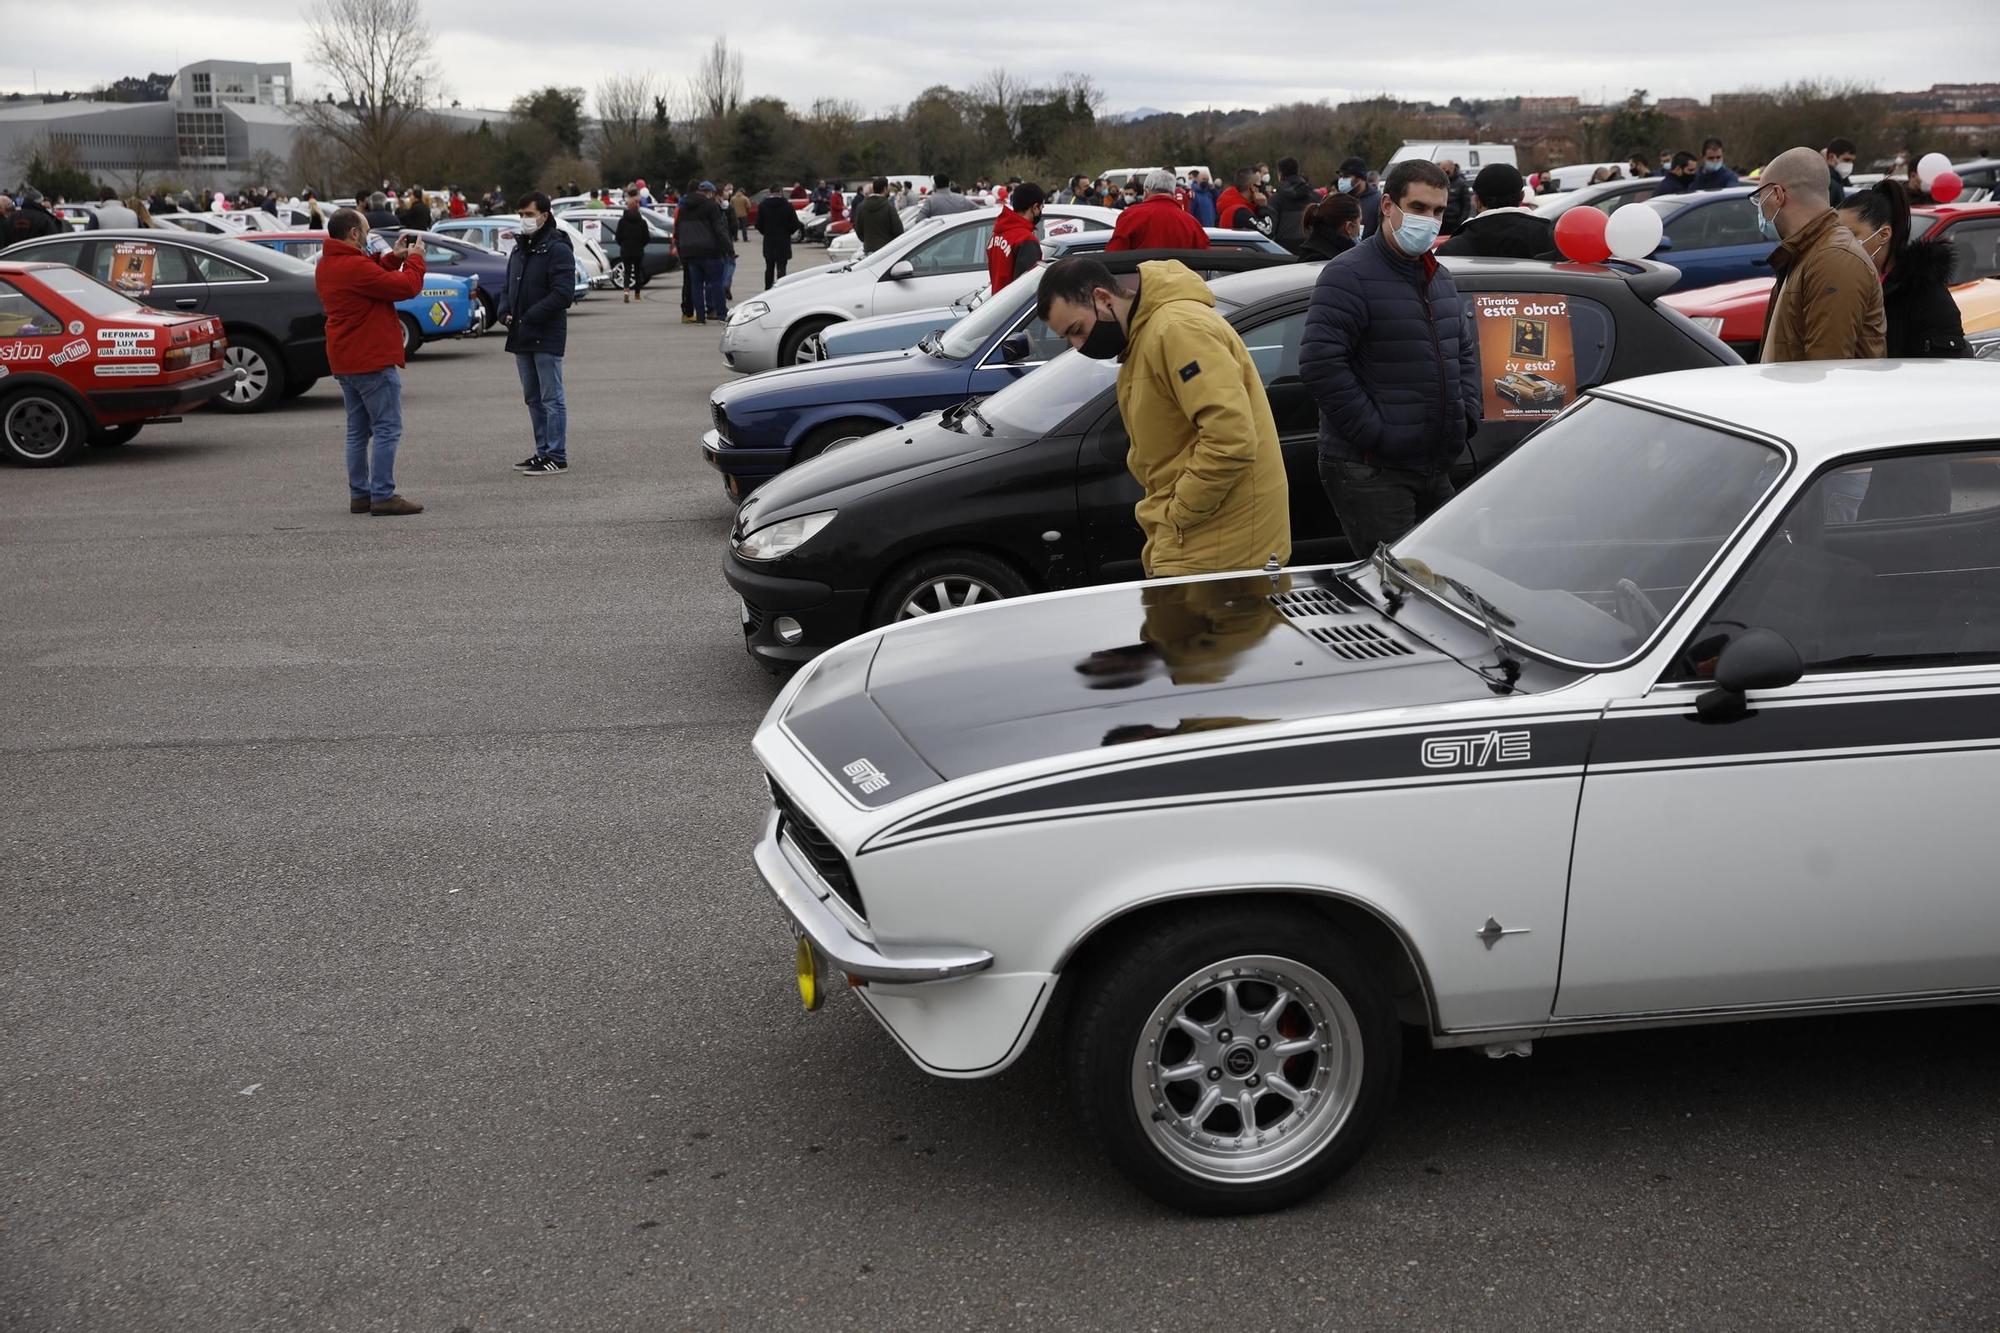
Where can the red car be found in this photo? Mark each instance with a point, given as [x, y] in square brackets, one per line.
[82, 363]
[1734, 311]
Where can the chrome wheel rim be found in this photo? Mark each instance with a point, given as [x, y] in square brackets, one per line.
[254, 377]
[944, 594]
[36, 428]
[811, 350]
[1247, 1069]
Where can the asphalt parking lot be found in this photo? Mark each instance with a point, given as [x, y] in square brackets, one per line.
[382, 951]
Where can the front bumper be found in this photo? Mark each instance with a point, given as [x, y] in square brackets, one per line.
[743, 470]
[751, 347]
[806, 900]
[826, 616]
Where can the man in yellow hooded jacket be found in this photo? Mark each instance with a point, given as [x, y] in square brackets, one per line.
[1204, 444]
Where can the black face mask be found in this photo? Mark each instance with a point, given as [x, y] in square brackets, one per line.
[1106, 340]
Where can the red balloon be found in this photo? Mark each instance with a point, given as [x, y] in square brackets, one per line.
[1580, 235]
[1946, 186]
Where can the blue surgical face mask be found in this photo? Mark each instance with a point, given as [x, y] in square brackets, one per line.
[1414, 235]
[1344, 185]
[1767, 227]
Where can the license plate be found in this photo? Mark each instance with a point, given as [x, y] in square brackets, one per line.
[199, 355]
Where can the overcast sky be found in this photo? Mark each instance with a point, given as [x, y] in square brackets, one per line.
[1171, 54]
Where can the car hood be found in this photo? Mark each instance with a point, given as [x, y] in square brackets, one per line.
[839, 380]
[1077, 673]
[875, 462]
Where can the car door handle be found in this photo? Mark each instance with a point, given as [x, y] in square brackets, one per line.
[187, 302]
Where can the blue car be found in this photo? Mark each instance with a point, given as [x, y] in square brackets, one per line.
[1711, 236]
[459, 257]
[447, 307]
[496, 235]
[892, 333]
[765, 423]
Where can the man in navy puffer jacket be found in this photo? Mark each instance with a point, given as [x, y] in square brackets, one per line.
[1387, 358]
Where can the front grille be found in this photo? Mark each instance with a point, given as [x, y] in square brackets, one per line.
[753, 617]
[721, 415]
[1361, 643]
[819, 850]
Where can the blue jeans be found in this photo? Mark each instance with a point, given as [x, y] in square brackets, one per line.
[374, 411]
[548, 413]
[707, 279]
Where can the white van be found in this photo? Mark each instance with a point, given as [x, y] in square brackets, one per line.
[1469, 156]
[1119, 175]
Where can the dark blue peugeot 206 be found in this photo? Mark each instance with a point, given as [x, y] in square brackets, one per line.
[768, 422]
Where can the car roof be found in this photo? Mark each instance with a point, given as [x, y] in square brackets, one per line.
[1983, 208]
[1644, 276]
[1668, 203]
[1827, 409]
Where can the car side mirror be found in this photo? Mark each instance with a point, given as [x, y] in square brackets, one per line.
[1756, 659]
[901, 269]
[1015, 348]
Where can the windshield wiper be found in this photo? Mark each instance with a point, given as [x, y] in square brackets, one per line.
[972, 410]
[1509, 666]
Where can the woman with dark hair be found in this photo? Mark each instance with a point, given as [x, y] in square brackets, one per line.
[1332, 226]
[1923, 319]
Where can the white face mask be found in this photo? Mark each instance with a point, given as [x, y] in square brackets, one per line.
[1845, 169]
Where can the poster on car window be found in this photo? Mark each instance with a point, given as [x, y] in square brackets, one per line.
[593, 228]
[1525, 357]
[132, 265]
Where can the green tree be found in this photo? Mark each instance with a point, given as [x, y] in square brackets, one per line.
[1638, 128]
[751, 147]
[53, 173]
[559, 111]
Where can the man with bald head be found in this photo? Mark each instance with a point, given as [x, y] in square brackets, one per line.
[1827, 302]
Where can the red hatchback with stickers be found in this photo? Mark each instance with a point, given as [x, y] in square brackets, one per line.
[82, 363]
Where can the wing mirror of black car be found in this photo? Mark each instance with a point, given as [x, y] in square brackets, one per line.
[1015, 348]
[1756, 659]
[901, 269]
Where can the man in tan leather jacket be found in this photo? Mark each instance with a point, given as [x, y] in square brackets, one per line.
[1827, 302]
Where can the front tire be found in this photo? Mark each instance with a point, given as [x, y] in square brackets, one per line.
[792, 351]
[945, 581]
[40, 428]
[1234, 1060]
[262, 378]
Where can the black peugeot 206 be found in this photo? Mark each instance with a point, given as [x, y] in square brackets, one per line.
[1026, 490]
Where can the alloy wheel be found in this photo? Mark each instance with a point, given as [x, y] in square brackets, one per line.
[253, 379]
[35, 428]
[811, 350]
[1247, 1068]
[947, 593]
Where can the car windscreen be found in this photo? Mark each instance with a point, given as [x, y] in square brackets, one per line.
[1039, 402]
[86, 293]
[275, 261]
[1595, 530]
[998, 312]
[899, 246]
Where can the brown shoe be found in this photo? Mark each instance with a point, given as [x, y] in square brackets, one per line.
[361, 506]
[394, 505]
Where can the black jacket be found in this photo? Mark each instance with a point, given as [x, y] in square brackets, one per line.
[1504, 233]
[702, 229]
[1324, 243]
[1370, 200]
[1288, 205]
[1923, 318]
[777, 221]
[417, 217]
[541, 283]
[1457, 203]
[381, 219]
[877, 222]
[32, 220]
[632, 233]
[1387, 358]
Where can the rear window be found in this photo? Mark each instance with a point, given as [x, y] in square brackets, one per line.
[86, 293]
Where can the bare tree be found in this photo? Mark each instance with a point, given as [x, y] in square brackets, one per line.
[717, 86]
[380, 58]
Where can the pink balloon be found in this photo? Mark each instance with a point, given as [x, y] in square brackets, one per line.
[1580, 235]
[1946, 186]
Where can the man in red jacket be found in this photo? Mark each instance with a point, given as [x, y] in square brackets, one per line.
[1157, 222]
[1014, 250]
[364, 349]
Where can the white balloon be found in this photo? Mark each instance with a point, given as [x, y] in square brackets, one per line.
[1633, 231]
[1928, 167]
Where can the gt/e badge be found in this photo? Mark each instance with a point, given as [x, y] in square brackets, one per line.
[1190, 370]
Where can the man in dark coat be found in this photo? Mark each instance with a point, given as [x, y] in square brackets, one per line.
[1503, 229]
[701, 234]
[876, 220]
[33, 218]
[1679, 175]
[1289, 198]
[1353, 180]
[1458, 197]
[534, 305]
[632, 233]
[1387, 357]
[380, 216]
[777, 222]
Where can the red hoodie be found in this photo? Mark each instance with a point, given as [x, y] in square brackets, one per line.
[360, 291]
[1013, 249]
[1228, 205]
[1157, 223]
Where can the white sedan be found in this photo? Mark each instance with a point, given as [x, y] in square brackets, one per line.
[925, 266]
[1688, 712]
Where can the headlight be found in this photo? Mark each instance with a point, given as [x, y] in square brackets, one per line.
[1709, 324]
[783, 537]
[748, 311]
